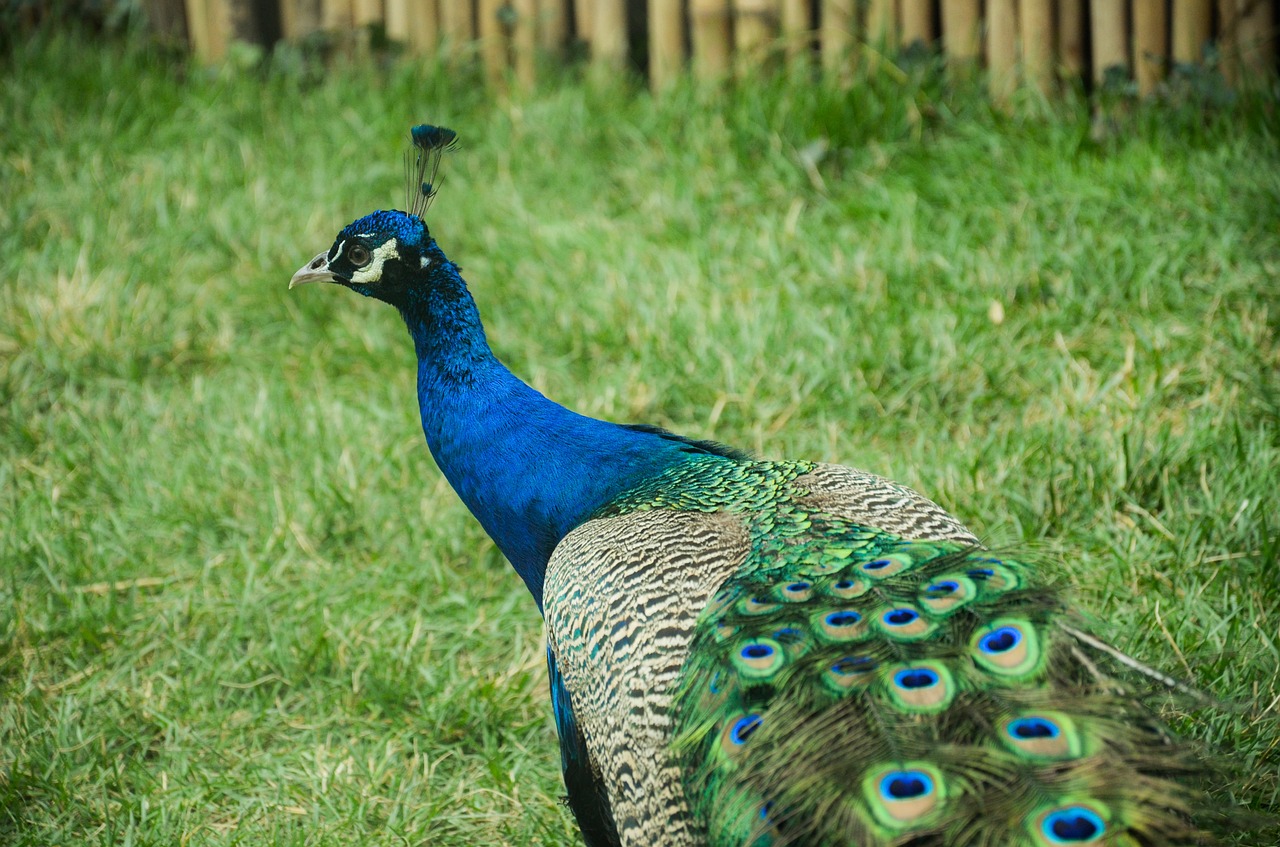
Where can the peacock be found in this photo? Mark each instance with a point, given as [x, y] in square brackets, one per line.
[750, 653]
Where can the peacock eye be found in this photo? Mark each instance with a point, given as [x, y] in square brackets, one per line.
[358, 255]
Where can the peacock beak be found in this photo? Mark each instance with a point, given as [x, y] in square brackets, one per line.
[317, 270]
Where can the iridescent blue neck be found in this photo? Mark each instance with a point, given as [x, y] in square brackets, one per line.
[529, 469]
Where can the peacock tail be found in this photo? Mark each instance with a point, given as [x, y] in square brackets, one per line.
[751, 640]
[755, 653]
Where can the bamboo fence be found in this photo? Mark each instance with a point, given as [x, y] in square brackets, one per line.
[1019, 42]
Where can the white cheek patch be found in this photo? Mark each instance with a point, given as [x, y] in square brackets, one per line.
[372, 272]
[425, 261]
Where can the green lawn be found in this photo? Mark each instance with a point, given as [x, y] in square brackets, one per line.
[239, 605]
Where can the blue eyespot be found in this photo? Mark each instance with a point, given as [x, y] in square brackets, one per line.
[743, 729]
[878, 564]
[905, 785]
[916, 678]
[981, 573]
[845, 584]
[1072, 825]
[1001, 640]
[797, 586]
[757, 651]
[945, 587]
[900, 617]
[846, 617]
[1027, 728]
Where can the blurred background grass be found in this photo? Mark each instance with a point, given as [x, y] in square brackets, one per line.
[238, 604]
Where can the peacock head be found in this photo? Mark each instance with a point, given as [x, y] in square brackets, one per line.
[385, 254]
[381, 255]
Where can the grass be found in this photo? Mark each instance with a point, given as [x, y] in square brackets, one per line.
[238, 604]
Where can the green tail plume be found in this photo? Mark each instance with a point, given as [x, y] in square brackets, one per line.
[929, 697]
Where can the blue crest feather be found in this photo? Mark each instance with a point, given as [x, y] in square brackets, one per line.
[421, 163]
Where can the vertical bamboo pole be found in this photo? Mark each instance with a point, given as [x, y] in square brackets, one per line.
[493, 41]
[1035, 23]
[397, 20]
[1258, 38]
[1110, 41]
[753, 29]
[524, 42]
[1228, 46]
[584, 17]
[917, 21]
[666, 42]
[1190, 30]
[218, 15]
[198, 28]
[961, 33]
[291, 12]
[609, 35]
[797, 35]
[1071, 37]
[424, 27]
[553, 25]
[220, 28]
[337, 17]
[1150, 28]
[838, 23]
[882, 24]
[1002, 47]
[366, 12]
[710, 19]
[456, 27]
[1246, 39]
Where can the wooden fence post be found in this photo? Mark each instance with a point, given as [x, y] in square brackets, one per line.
[1246, 38]
[1071, 38]
[456, 27]
[299, 18]
[1002, 48]
[797, 28]
[364, 13]
[666, 42]
[754, 27]
[711, 55]
[1110, 46]
[917, 21]
[836, 35]
[609, 34]
[1191, 20]
[882, 24]
[493, 41]
[553, 25]
[524, 42]
[397, 20]
[1258, 38]
[209, 22]
[424, 27]
[961, 32]
[1035, 22]
[1150, 37]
